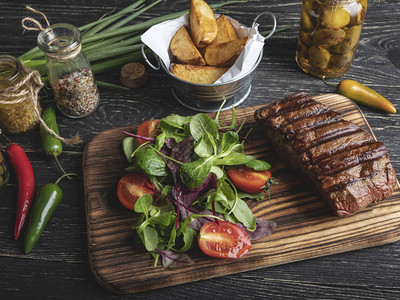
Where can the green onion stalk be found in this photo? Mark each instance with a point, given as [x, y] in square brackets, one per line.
[110, 42]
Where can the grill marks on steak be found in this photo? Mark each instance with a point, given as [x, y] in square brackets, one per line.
[348, 168]
[348, 159]
[320, 135]
[340, 144]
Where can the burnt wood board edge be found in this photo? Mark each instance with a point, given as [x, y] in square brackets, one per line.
[306, 226]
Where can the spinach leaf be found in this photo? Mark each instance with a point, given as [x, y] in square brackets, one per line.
[193, 174]
[239, 148]
[206, 147]
[172, 238]
[202, 123]
[129, 144]
[217, 171]
[229, 139]
[143, 204]
[164, 219]
[233, 159]
[151, 163]
[149, 237]
[258, 165]
[244, 215]
[189, 235]
[172, 129]
[258, 197]
[177, 120]
[160, 140]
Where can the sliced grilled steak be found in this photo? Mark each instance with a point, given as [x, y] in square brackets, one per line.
[348, 168]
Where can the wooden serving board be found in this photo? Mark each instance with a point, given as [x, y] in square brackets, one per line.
[306, 226]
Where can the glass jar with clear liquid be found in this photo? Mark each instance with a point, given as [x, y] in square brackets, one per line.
[329, 35]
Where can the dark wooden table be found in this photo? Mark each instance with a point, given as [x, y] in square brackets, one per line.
[58, 267]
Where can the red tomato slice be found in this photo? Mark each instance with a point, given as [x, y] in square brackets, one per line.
[131, 187]
[223, 240]
[249, 180]
[148, 129]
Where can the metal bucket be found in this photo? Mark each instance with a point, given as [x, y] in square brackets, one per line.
[210, 97]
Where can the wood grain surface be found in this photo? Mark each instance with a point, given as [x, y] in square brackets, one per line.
[306, 226]
[58, 267]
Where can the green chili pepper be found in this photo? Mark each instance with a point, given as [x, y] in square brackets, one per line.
[363, 95]
[48, 198]
[50, 145]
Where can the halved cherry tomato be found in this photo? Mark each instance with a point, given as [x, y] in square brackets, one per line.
[223, 240]
[131, 187]
[249, 180]
[148, 129]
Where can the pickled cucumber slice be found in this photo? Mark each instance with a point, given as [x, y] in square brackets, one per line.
[302, 49]
[331, 17]
[1, 171]
[350, 41]
[1, 181]
[309, 5]
[356, 13]
[341, 60]
[329, 36]
[319, 57]
[306, 23]
[305, 38]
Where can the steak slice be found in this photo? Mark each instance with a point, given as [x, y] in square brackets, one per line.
[309, 138]
[362, 193]
[346, 166]
[348, 159]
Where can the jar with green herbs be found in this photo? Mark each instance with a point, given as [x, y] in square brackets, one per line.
[4, 173]
[70, 75]
[329, 34]
[19, 86]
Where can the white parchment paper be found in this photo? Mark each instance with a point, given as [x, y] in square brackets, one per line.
[158, 38]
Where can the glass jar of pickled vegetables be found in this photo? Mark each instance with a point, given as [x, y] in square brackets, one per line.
[18, 96]
[4, 173]
[70, 75]
[329, 34]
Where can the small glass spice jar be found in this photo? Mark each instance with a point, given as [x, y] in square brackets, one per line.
[328, 36]
[17, 106]
[4, 173]
[70, 75]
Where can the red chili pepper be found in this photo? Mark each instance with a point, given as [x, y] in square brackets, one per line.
[26, 184]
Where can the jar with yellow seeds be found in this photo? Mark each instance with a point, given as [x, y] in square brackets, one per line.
[19, 106]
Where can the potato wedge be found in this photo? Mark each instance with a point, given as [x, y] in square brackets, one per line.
[197, 74]
[184, 50]
[203, 26]
[224, 54]
[226, 31]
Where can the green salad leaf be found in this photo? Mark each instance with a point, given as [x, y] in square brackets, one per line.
[186, 164]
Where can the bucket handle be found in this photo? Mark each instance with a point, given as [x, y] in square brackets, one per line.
[273, 18]
[158, 67]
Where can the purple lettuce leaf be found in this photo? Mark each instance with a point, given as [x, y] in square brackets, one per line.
[263, 228]
[182, 152]
[185, 197]
[171, 259]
